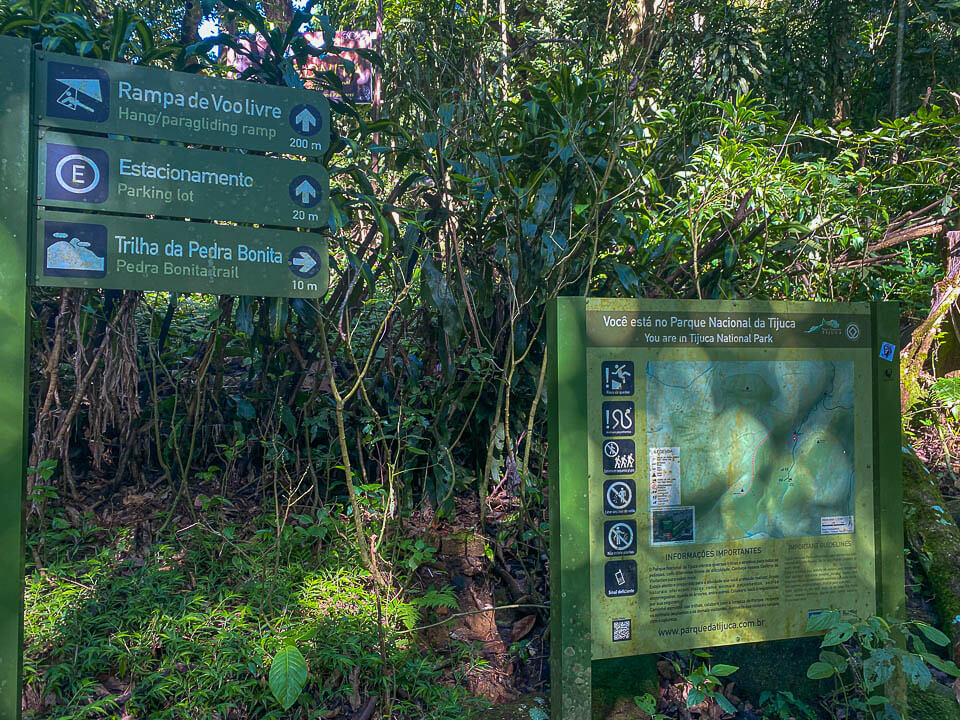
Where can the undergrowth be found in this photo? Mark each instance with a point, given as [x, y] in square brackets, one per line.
[186, 627]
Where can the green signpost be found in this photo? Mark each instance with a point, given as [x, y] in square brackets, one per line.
[105, 97]
[96, 174]
[80, 209]
[126, 253]
[720, 472]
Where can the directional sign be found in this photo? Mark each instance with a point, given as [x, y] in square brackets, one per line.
[89, 173]
[104, 97]
[123, 253]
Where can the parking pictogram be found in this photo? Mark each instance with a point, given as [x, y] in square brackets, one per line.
[77, 174]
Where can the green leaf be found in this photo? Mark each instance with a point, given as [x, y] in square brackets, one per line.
[725, 705]
[838, 662]
[288, 421]
[288, 675]
[946, 666]
[823, 620]
[916, 670]
[838, 635]
[722, 670]
[876, 700]
[931, 633]
[646, 702]
[278, 313]
[878, 668]
[820, 671]
[695, 697]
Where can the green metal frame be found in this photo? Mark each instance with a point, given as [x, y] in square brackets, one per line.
[888, 473]
[15, 58]
[570, 651]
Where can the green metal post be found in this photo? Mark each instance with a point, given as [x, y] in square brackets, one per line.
[891, 600]
[570, 644]
[888, 479]
[15, 58]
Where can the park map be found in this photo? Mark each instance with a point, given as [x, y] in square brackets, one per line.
[749, 450]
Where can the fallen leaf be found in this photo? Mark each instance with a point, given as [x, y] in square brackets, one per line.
[522, 627]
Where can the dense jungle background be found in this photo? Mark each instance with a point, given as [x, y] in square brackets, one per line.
[244, 507]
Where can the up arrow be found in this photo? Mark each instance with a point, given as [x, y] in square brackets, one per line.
[304, 262]
[305, 120]
[305, 191]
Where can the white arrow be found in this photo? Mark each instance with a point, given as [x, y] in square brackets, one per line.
[305, 191]
[305, 120]
[304, 262]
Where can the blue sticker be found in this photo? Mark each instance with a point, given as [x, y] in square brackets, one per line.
[887, 351]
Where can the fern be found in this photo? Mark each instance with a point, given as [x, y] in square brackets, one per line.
[947, 390]
[409, 615]
[409, 612]
[434, 598]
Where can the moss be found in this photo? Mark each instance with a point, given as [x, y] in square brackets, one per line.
[617, 681]
[529, 707]
[937, 701]
[932, 533]
[778, 665]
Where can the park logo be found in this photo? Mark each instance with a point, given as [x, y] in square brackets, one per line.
[77, 174]
[74, 249]
[77, 92]
[825, 327]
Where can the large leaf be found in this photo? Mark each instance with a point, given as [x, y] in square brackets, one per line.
[444, 301]
[820, 671]
[288, 675]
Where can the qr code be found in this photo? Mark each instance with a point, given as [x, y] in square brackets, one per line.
[621, 630]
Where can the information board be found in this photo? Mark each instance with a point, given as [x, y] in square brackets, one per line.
[100, 174]
[125, 253]
[725, 463]
[105, 97]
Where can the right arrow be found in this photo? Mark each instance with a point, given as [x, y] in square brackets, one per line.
[305, 191]
[305, 262]
[305, 120]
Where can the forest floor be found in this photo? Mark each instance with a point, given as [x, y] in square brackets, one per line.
[134, 614]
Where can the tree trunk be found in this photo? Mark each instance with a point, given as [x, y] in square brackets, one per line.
[896, 90]
[190, 27]
[278, 11]
[840, 37]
